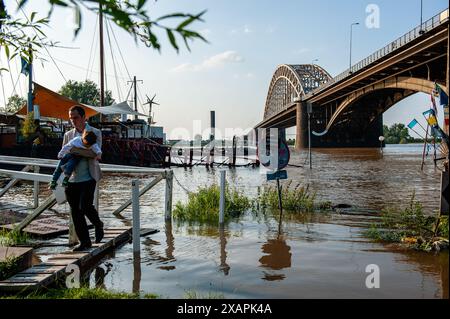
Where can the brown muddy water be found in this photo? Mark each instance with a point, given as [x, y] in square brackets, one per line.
[313, 256]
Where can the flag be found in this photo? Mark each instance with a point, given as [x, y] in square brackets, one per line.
[412, 123]
[25, 66]
[430, 111]
[433, 103]
[432, 121]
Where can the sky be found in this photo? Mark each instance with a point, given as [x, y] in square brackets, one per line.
[247, 40]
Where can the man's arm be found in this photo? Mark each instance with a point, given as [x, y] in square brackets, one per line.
[83, 152]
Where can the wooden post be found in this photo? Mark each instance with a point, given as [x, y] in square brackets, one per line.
[222, 197]
[191, 152]
[424, 148]
[136, 217]
[36, 189]
[169, 188]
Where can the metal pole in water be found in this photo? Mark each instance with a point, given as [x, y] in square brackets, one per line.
[136, 221]
[168, 199]
[222, 197]
[280, 204]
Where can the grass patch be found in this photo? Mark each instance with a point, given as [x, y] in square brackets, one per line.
[8, 267]
[192, 294]
[81, 293]
[13, 237]
[411, 227]
[203, 205]
[294, 198]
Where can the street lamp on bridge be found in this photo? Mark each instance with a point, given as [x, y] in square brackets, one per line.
[351, 36]
[315, 60]
[421, 17]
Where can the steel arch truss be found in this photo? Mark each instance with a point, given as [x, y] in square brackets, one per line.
[290, 83]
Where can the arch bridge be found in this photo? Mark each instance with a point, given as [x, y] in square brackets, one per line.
[347, 109]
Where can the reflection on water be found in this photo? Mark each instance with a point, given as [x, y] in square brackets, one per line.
[278, 256]
[313, 256]
[223, 253]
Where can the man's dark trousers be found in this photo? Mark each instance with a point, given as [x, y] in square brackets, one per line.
[81, 197]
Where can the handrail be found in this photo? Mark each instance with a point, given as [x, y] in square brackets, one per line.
[437, 20]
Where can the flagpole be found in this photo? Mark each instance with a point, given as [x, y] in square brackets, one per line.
[424, 148]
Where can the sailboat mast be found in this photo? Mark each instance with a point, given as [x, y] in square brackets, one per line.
[102, 67]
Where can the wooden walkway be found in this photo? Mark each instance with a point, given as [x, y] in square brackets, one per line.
[47, 273]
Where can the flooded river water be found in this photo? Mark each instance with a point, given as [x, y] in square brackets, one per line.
[320, 256]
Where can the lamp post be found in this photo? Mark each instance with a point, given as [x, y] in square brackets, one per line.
[381, 139]
[421, 17]
[315, 60]
[351, 36]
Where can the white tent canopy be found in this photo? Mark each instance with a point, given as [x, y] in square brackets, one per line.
[119, 108]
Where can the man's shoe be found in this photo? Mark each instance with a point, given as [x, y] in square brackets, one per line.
[99, 233]
[82, 247]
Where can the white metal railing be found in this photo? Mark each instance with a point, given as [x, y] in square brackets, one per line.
[427, 26]
[35, 163]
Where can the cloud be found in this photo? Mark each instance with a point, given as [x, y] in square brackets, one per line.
[213, 62]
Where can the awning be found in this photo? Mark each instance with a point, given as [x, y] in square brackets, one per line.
[119, 108]
[54, 105]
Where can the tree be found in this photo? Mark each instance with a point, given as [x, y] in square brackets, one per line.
[86, 92]
[29, 126]
[17, 34]
[15, 103]
[396, 134]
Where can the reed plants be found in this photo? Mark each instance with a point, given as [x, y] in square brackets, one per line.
[203, 205]
[410, 226]
[294, 198]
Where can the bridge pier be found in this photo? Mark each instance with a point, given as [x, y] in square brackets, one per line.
[301, 132]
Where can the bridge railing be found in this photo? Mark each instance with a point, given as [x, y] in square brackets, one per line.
[427, 26]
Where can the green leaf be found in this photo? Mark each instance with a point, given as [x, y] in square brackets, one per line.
[22, 3]
[77, 20]
[141, 4]
[7, 51]
[173, 15]
[33, 14]
[172, 39]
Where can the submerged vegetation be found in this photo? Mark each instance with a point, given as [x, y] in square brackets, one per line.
[294, 199]
[411, 227]
[203, 205]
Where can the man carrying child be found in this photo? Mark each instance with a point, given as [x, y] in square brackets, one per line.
[81, 184]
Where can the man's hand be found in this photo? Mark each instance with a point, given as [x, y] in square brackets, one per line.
[83, 152]
[98, 157]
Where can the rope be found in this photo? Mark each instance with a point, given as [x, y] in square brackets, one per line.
[114, 63]
[40, 39]
[92, 45]
[179, 184]
[120, 51]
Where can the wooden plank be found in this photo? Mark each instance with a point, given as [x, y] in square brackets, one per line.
[43, 270]
[70, 255]
[54, 268]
